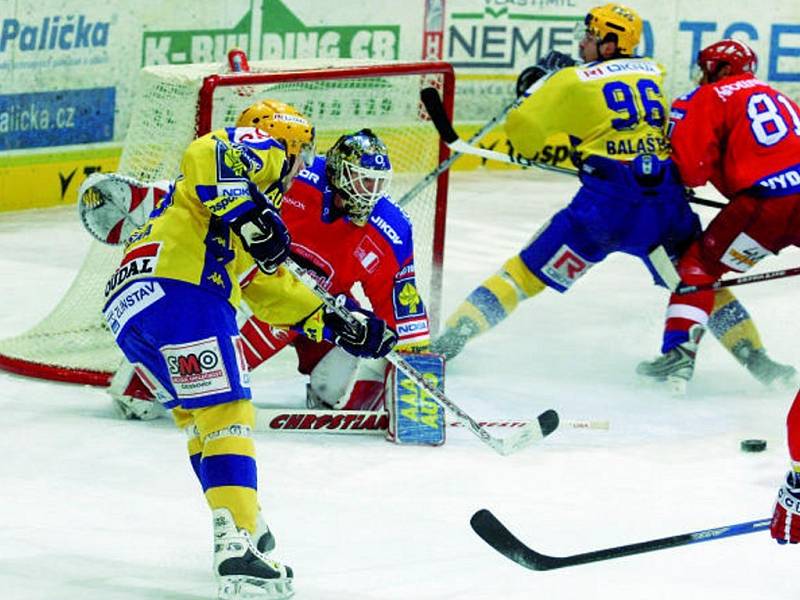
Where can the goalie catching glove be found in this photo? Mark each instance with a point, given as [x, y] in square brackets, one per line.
[365, 335]
[265, 237]
[549, 63]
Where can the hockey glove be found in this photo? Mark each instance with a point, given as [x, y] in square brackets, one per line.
[552, 61]
[264, 236]
[366, 337]
[785, 526]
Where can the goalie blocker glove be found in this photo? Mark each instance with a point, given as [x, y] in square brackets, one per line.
[550, 62]
[785, 526]
[365, 335]
[265, 237]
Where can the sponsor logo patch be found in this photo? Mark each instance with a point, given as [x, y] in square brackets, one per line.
[197, 368]
[368, 254]
[566, 266]
[743, 253]
[383, 226]
[135, 299]
[139, 262]
[412, 329]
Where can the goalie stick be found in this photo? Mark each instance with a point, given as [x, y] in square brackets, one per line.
[304, 420]
[494, 533]
[542, 426]
[433, 104]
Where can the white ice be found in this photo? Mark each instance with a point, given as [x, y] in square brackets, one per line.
[97, 508]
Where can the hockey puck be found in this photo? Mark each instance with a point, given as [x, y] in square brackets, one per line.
[753, 445]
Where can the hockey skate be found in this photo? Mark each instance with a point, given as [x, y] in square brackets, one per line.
[452, 341]
[242, 571]
[763, 368]
[676, 367]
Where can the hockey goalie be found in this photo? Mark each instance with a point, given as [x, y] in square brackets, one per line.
[348, 234]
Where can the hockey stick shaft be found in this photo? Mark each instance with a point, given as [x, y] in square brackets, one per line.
[723, 283]
[664, 267]
[494, 533]
[370, 421]
[544, 425]
[445, 165]
[433, 104]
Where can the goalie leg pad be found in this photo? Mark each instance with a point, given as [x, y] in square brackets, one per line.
[344, 382]
[414, 417]
[136, 393]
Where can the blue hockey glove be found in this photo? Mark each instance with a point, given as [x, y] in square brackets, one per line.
[367, 337]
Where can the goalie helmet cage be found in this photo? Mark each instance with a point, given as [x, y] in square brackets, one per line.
[176, 103]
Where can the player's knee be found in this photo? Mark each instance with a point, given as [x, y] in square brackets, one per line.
[695, 268]
[230, 419]
[525, 282]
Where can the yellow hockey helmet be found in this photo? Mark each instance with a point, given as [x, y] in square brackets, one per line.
[615, 22]
[284, 123]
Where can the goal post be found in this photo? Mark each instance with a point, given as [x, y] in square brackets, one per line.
[176, 103]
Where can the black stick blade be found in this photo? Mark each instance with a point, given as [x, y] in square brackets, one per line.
[494, 533]
[548, 421]
[433, 104]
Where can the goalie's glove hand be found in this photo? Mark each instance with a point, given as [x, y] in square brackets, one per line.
[365, 335]
[264, 236]
[785, 526]
[552, 61]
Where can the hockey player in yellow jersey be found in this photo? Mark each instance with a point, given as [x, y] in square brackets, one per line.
[171, 305]
[613, 109]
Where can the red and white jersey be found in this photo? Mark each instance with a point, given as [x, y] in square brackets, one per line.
[338, 253]
[739, 134]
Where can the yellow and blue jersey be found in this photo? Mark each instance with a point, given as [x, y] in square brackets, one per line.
[188, 237]
[614, 109]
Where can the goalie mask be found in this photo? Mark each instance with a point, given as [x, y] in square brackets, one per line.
[614, 23]
[358, 168]
[284, 123]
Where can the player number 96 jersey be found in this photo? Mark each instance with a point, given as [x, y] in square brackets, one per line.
[615, 109]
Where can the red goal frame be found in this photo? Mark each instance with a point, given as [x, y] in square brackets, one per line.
[203, 125]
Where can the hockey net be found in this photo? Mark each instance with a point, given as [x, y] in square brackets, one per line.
[176, 103]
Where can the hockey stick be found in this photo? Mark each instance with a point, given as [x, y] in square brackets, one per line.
[542, 426]
[722, 283]
[486, 128]
[494, 533]
[304, 420]
[663, 265]
[433, 104]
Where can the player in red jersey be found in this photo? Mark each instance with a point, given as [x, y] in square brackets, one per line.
[346, 231]
[743, 136]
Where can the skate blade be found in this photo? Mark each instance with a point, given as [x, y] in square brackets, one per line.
[674, 386]
[241, 587]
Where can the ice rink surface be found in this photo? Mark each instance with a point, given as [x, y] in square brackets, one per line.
[95, 508]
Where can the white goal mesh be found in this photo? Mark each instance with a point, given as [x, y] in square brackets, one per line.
[175, 103]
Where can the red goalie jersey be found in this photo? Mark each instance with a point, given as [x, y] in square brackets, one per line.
[338, 253]
[739, 134]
